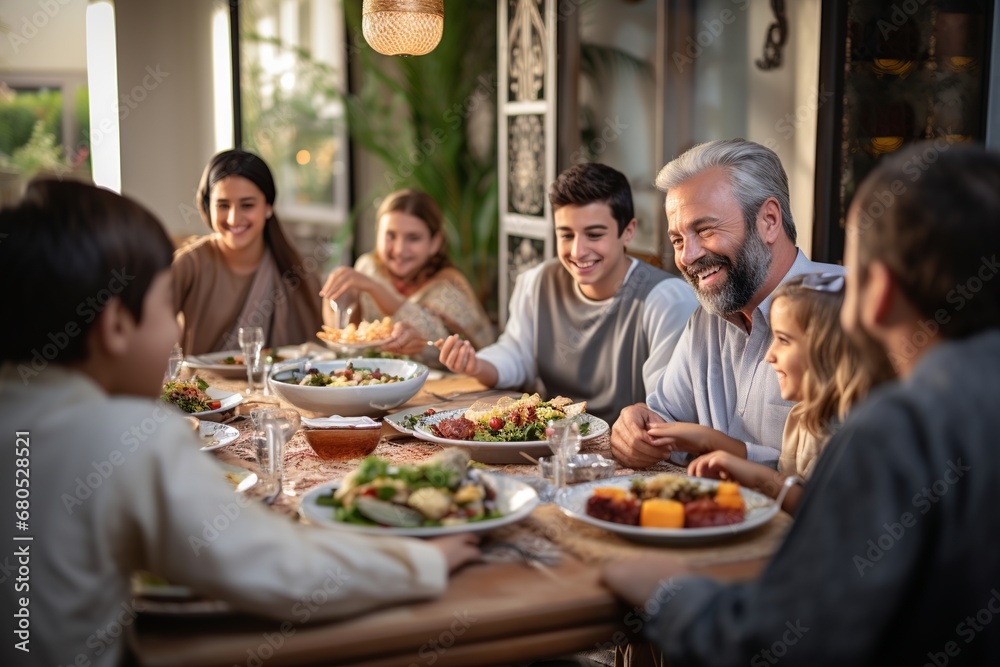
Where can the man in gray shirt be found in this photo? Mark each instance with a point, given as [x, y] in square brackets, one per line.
[729, 221]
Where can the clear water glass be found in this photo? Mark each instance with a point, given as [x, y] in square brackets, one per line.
[563, 436]
[174, 363]
[342, 312]
[277, 426]
[251, 343]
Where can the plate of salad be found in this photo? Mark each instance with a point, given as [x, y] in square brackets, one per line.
[441, 496]
[196, 398]
[499, 432]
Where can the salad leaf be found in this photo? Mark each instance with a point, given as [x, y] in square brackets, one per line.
[370, 469]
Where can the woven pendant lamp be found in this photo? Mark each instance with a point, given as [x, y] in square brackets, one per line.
[403, 27]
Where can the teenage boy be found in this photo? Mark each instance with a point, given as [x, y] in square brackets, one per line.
[117, 483]
[888, 561]
[594, 323]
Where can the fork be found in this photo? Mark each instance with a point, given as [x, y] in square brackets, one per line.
[533, 560]
[269, 500]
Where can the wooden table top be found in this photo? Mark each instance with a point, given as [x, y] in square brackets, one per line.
[491, 613]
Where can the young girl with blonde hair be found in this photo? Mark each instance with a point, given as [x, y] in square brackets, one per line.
[818, 366]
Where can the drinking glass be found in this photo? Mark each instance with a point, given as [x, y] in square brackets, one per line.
[277, 426]
[251, 342]
[174, 363]
[563, 436]
[341, 314]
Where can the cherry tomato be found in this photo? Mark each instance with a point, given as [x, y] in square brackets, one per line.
[496, 423]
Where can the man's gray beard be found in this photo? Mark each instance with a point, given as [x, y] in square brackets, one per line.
[746, 273]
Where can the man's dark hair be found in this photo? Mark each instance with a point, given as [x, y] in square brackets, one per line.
[66, 249]
[592, 182]
[931, 214]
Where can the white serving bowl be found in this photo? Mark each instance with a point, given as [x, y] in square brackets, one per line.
[349, 401]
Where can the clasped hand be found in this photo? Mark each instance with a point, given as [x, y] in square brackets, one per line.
[641, 438]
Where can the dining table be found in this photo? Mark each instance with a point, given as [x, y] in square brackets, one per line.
[536, 594]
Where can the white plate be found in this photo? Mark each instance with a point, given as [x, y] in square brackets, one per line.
[515, 499]
[215, 435]
[397, 419]
[498, 452]
[228, 399]
[212, 361]
[573, 502]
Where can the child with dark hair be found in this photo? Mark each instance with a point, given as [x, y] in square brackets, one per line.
[592, 324]
[117, 483]
[246, 272]
[888, 561]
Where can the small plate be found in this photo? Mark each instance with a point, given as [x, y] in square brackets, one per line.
[514, 498]
[228, 399]
[498, 452]
[573, 502]
[398, 419]
[212, 362]
[216, 435]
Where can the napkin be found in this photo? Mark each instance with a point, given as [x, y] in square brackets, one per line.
[336, 421]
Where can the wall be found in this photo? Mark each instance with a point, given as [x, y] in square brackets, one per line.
[54, 40]
[623, 104]
[165, 84]
[733, 97]
[775, 107]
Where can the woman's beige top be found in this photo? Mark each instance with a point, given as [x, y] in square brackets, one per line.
[799, 447]
[210, 298]
[444, 305]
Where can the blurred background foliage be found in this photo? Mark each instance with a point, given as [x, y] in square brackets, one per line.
[31, 131]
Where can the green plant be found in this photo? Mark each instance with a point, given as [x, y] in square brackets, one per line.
[40, 153]
[413, 115]
[20, 113]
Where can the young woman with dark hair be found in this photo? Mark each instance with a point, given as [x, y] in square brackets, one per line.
[246, 273]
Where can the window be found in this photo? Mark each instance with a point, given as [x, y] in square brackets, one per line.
[292, 61]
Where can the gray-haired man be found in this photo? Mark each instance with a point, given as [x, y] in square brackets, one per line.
[731, 227]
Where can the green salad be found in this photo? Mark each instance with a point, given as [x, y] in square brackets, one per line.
[189, 395]
[439, 492]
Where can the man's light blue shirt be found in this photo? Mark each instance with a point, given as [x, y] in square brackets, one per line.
[717, 376]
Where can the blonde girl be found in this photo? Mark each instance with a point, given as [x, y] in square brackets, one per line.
[819, 367]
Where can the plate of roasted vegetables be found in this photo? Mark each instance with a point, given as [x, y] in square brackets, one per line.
[441, 496]
[498, 432]
[668, 508]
